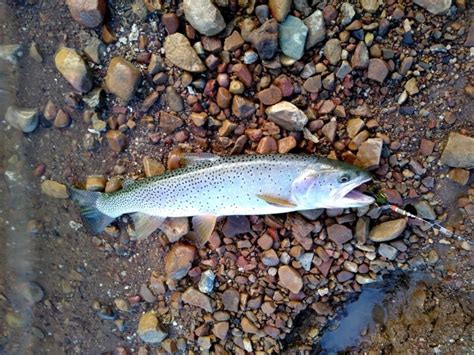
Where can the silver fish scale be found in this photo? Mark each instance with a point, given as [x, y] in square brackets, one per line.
[226, 186]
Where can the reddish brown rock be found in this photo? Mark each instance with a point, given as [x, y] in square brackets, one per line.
[267, 145]
[179, 260]
[339, 234]
[270, 96]
[286, 144]
[290, 279]
[89, 13]
[301, 230]
[242, 107]
[426, 147]
[360, 58]
[195, 298]
[231, 299]
[122, 79]
[313, 84]
[62, 119]
[233, 42]
[327, 107]
[378, 70]
[265, 39]
[285, 85]
[243, 73]
[171, 22]
[211, 44]
[169, 122]
[117, 140]
[248, 326]
[223, 98]
[220, 330]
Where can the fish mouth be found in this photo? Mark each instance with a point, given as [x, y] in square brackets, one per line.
[351, 197]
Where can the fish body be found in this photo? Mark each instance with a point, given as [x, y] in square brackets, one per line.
[237, 185]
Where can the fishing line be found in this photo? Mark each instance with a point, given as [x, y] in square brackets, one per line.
[382, 201]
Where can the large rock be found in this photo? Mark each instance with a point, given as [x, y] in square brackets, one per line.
[179, 261]
[292, 37]
[54, 189]
[122, 79]
[436, 7]
[316, 29]
[198, 299]
[150, 329]
[279, 8]
[369, 153]
[290, 278]
[360, 58]
[204, 16]
[387, 231]
[333, 51]
[73, 68]
[378, 70]
[89, 13]
[287, 115]
[459, 151]
[23, 119]
[178, 51]
[265, 39]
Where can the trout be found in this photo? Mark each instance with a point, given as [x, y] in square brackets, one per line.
[210, 186]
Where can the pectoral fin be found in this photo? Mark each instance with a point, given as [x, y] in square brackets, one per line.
[145, 224]
[303, 182]
[275, 200]
[203, 226]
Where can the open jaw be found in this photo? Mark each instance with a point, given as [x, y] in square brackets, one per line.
[353, 197]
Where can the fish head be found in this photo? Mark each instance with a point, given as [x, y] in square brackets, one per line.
[331, 184]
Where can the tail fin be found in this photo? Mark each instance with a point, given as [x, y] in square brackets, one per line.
[94, 220]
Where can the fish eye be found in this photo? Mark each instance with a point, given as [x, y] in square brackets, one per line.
[344, 178]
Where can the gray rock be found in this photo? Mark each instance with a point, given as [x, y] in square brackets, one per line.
[387, 251]
[23, 119]
[343, 70]
[348, 13]
[262, 12]
[302, 6]
[388, 230]
[306, 260]
[333, 51]
[459, 151]
[178, 51]
[292, 37]
[316, 29]
[308, 70]
[10, 53]
[204, 16]
[436, 7]
[206, 283]
[424, 210]
[30, 291]
[146, 294]
[287, 115]
[95, 50]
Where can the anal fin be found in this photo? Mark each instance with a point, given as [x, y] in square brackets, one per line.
[145, 224]
[203, 226]
[275, 200]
